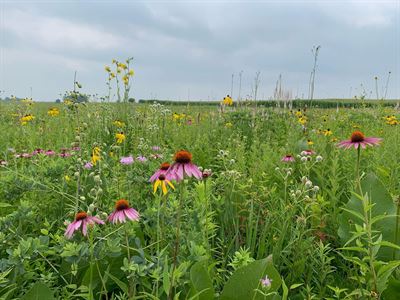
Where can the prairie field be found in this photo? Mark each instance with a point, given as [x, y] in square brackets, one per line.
[160, 201]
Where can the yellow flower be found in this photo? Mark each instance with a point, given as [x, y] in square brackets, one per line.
[95, 155]
[162, 182]
[53, 112]
[310, 142]
[27, 118]
[298, 113]
[120, 136]
[107, 68]
[112, 75]
[131, 72]
[392, 120]
[122, 66]
[327, 132]
[119, 123]
[125, 78]
[302, 120]
[67, 178]
[227, 100]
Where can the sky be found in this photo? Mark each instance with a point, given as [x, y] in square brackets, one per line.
[188, 50]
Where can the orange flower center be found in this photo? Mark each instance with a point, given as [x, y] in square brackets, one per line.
[164, 166]
[357, 137]
[183, 157]
[121, 204]
[80, 216]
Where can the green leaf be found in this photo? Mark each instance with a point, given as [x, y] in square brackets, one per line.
[122, 285]
[246, 280]
[39, 291]
[166, 279]
[201, 281]
[392, 291]
[4, 205]
[382, 205]
[384, 273]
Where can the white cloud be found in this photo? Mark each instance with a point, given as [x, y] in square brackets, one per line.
[56, 33]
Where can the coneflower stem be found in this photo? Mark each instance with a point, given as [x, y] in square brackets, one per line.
[130, 289]
[91, 250]
[176, 249]
[358, 168]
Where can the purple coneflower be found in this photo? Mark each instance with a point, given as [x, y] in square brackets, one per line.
[64, 153]
[128, 160]
[49, 153]
[308, 152]
[161, 171]
[26, 155]
[122, 212]
[288, 158]
[37, 151]
[155, 148]
[81, 220]
[3, 163]
[183, 165]
[358, 139]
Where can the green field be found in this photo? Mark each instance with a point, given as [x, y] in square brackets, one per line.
[323, 226]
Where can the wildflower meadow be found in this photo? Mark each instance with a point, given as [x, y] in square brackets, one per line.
[230, 201]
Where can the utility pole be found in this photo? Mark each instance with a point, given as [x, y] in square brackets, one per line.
[233, 74]
[240, 84]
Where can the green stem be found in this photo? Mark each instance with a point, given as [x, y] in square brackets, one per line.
[176, 249]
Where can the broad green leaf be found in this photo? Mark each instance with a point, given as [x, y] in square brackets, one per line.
[384, 273]
[382, 205]
[4, 205]
[392, 291]
[201, 281]
[122, 285]
[39, 291]
[245, 281]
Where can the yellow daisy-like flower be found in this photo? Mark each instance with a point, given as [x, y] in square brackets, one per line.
[310, 142]
[122, 66]
[162, 182]
[327, 132]
[125, 79]
[120, 136]
[95, 155]
[131, 72]
[302, 120]
[53, 112]
[27, 118]
[227, 101]
[108, 69]
[392, 120]
[298, 113]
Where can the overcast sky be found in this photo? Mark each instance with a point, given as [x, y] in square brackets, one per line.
[189, 49]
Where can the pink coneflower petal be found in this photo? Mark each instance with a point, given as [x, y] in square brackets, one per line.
[179, 171]
[84, 228]
[187, 168]
[155, 176]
